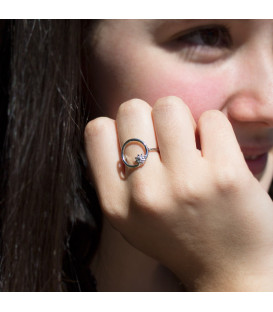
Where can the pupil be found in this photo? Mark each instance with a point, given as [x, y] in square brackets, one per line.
[210, 36]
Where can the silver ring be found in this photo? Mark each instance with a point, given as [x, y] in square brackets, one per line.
[140, 158]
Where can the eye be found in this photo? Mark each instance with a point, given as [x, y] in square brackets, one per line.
[209, 36]
[203, 44]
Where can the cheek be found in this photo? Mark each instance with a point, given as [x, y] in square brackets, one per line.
[149, 75]
[201, 92]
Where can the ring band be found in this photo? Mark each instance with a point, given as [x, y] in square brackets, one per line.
[140, 158]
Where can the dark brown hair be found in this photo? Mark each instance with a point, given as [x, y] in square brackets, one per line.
[50, 218]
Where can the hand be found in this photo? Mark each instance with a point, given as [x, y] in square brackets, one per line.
[201, 212]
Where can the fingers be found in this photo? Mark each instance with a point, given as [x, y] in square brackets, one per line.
[218, 141]
[175, 131]
[169, 122]
[102, 149]
[171, 125]
[134, 121]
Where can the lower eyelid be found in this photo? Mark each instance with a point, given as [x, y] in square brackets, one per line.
[202, 54]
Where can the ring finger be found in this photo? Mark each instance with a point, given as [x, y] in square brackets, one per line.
[134, 121]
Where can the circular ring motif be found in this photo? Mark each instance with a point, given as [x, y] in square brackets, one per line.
[140, 158]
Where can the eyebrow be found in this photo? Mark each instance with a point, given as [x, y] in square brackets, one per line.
[163, 22]
[160, 26]
[157, 25]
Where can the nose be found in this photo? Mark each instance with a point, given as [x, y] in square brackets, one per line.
[251, 99]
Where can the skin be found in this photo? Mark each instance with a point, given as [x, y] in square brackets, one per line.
[221, 91]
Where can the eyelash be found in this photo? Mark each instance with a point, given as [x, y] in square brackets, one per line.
[208, 36]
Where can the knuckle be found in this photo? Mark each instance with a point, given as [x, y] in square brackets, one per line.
[168, 102]
[107, 206]
[129, 107]
[188, 192]
[226, 180]
[212, 116]
[97, 126]
[170, 108]
[113, 209]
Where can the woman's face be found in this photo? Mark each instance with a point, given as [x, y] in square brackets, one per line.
[211, 64]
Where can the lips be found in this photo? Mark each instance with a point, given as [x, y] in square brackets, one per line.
[257, 165]
[256, 159]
